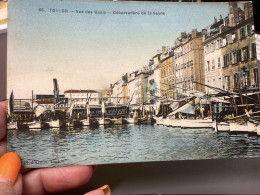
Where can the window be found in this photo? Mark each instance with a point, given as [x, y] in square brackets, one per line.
[252, 51]
[244, 54]
[256, 78]
[226, 82]
[219, 63]
[234, 38]
[236, 81]
[245, 80]
[242, 33]
[224, 42]
[239, 57]
[228, 59]
[225, 60]
[229, 39]
[248, 29]
[213, 64]
[208, 63]
[234, 57]
[218, 44]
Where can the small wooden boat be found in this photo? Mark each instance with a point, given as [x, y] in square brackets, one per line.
[34, 125]
[57, 124]
[175, 122]
[196, 123]
[243, 128]
[12, 125]
[131, 120]
[105, 121]
[119, 121]
[89, 122]
[159, 120]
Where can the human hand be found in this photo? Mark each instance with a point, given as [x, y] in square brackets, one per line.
[38, 181]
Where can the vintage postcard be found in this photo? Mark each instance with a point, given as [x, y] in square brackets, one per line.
[97, 82]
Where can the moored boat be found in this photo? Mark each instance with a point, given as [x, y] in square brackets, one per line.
[242, 128]
[12, 125]
[196, 123]
[89, 122]
[105, 121]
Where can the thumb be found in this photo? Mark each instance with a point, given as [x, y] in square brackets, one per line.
[10, 165]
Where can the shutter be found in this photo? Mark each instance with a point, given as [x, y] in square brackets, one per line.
[253, 50]
[246, 53]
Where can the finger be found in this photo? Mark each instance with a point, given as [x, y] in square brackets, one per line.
[51, 180]
[10, 165]
[104, 190]
[2, 120]
[2, 147]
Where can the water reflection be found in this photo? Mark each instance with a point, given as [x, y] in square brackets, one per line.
[127, 143]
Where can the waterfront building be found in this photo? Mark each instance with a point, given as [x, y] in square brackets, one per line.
[117, 95]
[80, 97]
[239, 49]
[166, 74]
[154, 79]
[131, 89]
[188, 60]
[213, 59]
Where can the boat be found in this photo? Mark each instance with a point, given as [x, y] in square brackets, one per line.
[146, 120]
[89, 122]
[196, 123]
[175, 122]
[34, 125]
[237, 128]
[119, 121]
[159, 120]
[12, 125]
[132, 120]
[57, 124]
[221, 126]
[105, 121]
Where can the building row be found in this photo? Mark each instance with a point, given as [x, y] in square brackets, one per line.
[221, 57]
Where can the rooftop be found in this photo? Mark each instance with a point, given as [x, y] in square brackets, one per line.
[80, 91]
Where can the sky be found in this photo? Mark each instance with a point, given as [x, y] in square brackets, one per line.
[91, 51]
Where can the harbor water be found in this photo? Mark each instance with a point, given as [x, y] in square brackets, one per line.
[126, 143]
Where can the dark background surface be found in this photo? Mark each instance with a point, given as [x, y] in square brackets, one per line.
[224, 176]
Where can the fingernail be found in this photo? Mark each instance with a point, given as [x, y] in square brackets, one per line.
[106, 189]
[94, 167]
[10, 165]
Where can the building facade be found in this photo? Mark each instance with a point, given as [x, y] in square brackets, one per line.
[154, 79]
[167, 77]
[189, 66]
[80, 97]
[239, 50]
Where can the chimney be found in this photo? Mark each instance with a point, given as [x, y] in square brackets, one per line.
[221, 28]
[194, 33]
[248, 8]
[233, 14]
[204, 34]
[163, 49]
